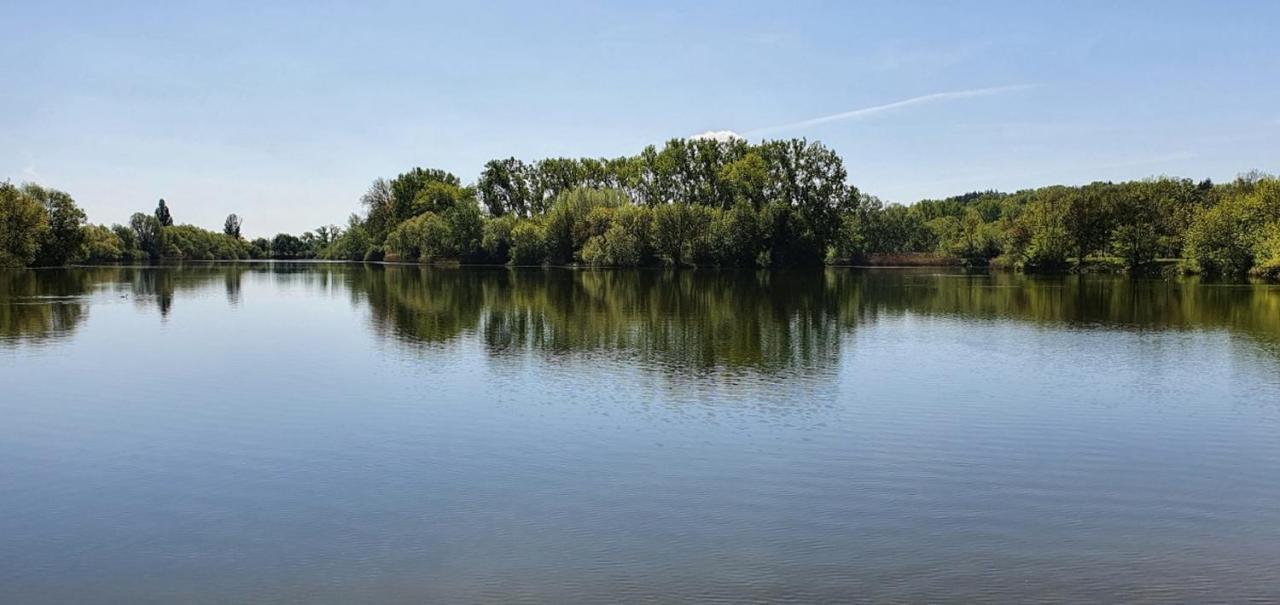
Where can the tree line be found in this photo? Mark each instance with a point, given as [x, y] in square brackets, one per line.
[44, 227]
[702, 202]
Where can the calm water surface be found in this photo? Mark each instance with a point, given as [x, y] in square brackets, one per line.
[333, 433]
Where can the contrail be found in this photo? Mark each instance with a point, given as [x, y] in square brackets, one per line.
[866, 112]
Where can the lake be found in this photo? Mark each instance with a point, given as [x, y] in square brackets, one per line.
[312, 433]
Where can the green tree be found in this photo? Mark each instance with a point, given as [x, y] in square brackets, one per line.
[1087, 219]
[64, 239]
[495, 238]
[528, 243]
[747, 179]
[422, 190]
[284, 245]
[231, 226]
[566, 222]
[352, 243]
[162, 214]
[380, 210]
[149, 234]
[681, 233]
[736, 235]
[23, 225]
[1227, 238]
[504, 187]
[102, 245]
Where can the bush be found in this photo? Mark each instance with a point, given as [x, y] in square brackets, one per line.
[23, 226]
[967, 238]
[1231, 236]
[1267, 253]
[850, 244]
[681, 234]
[466, 230]
[495, 238]
[567, 224]
[735, 236]
[188, 242]
[353, 244]
[102, 245]
[528, 243]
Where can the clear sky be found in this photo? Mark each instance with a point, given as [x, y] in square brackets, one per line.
[285, 113]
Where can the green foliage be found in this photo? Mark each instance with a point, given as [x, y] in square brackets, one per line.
[1087, 219]
[1267, 253]
[1227, 238]
[466, 230]
[681, 234]
[495, 239]
[618, 237]
[260, 247]
[23, 226]
[746, 179]
[163, 215]
[967, 238]
[736, 236]
[1048, 243]
[64, 239]
[705, 202]
[149, 234]
[850, 243]
[567, 226]
[422, 190]
[528, 243]
[102, 245]
[287, 246]
[351, 244]
[455, 235]
[188, 242]
[505, 187]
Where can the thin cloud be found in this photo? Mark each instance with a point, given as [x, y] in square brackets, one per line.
[867, 112]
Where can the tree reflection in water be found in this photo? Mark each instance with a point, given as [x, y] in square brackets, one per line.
[694, 321]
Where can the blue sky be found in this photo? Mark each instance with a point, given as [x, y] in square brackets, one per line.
[285, 113]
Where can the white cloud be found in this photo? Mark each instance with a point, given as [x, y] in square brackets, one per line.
[866, 112]
[717, 135]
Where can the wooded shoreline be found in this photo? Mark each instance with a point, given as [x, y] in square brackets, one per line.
[705, 202]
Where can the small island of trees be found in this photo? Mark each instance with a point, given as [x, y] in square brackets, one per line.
[704, 202]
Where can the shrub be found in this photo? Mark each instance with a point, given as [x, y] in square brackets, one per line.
[101, 245]
[23, 226]
[681, 233]
[495, 238]
[736, 236]
[528, 243]
[567, 225]
[1229, 237]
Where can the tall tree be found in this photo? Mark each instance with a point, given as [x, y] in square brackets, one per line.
[149, 232]
[409, 186]
[381, 215]
[503, 187]
[65, 237]
[231, 226]
[22, 226]
[162, 214]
